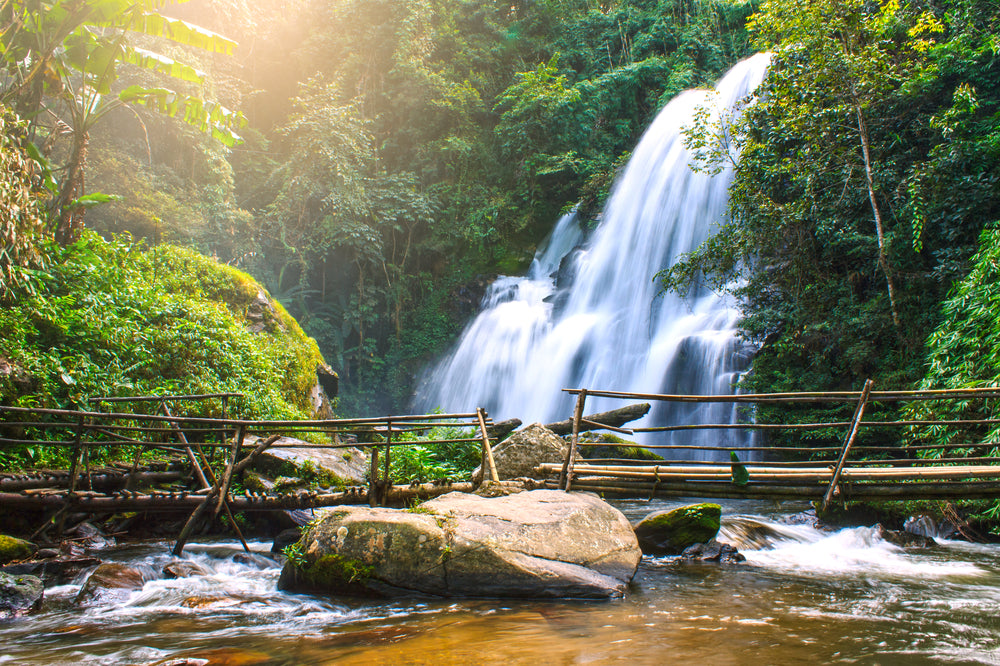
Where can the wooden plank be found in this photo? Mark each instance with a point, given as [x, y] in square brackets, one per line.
[859, 412]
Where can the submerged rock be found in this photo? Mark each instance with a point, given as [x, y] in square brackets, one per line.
[540, 543]
[60, 571]
[904, 539]
[526, 449]
[182, 569]
[19, 595]
[713, 551]
[13, 549]
[108, 579]
[670, 532]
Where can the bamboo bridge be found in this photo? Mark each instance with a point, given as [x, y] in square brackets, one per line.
[212, 452]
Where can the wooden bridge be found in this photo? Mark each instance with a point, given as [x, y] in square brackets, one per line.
[215, 451]
[823, 473]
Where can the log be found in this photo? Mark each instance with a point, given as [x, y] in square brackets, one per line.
[103, 480]
[401, 495]
[616, 418]
[499, 431]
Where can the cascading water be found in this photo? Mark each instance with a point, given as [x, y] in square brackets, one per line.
[593, 316]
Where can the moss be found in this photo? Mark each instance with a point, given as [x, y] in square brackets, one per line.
[12, 549]
[670, 532]
[335, 572]
[614, 447]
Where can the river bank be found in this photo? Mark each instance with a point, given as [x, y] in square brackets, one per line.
[803, 594]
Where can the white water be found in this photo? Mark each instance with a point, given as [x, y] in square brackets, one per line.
[608, 327]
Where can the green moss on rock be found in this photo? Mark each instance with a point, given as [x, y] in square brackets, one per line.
[670, 532]
[12, 549]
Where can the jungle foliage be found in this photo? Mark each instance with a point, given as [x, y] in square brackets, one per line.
[117, 318]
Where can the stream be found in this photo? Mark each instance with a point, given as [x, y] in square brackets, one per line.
[802, 595]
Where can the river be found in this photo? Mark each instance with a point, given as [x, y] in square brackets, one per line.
[803, 595]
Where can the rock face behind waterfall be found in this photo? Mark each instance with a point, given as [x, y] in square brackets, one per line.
[541, 543]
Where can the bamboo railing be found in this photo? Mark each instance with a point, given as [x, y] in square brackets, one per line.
[805, 472]
[236, 443]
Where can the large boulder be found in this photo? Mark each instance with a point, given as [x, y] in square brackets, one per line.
[19, 595]
[323, 467]
[540, 543]
[670, 532]
[526, 449]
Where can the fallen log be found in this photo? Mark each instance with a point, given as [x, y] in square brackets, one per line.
[499, 431]
[183, 501]
[104, 480]
[615, 418]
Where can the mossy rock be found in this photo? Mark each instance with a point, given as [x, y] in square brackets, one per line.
[13, 549]
[613, 447]
[670, 532]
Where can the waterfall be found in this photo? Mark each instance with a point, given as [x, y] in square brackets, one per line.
[589, 314]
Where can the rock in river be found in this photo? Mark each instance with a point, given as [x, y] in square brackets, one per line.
[542, 543]
[670, 532]
[19, 595]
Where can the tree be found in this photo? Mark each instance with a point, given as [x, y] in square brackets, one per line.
[61, 59]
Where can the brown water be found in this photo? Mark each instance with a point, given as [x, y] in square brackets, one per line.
[801, 596]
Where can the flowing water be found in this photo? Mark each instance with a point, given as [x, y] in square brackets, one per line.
[589, 313]
[802, 596]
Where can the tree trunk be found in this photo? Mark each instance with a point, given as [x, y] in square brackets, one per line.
[71, 218]
[883, 259]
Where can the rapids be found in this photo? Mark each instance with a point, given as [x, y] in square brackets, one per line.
[803, 595]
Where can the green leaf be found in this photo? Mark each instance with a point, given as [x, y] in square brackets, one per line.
[741, 476]
[95, 199]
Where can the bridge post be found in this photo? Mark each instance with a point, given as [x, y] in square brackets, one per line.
[852, 432]
[566, 478]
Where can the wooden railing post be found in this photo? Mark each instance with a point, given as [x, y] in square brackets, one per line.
[373, 477]
[852, 432]
[488, 463]
[566, 478]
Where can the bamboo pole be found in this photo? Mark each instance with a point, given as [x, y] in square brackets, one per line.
[488, 461]
[848, 441]
[566, 480]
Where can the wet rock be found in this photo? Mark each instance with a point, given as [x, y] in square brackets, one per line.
[670, 532]
[254, 560]
[87, 535]
[926, 526]
[807, 517]
[60, 571]
[108, 579]
[47, 553]
[526, 449]
[13, 549]
[183, 570]
[285, 538]
[713, 551]
[747, 532]
[540, 543]
[904, 539]
[19, 595]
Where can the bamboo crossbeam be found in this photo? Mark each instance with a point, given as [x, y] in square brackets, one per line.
[158, 398]
[814, 426]
[816, 396]
[436, 418]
